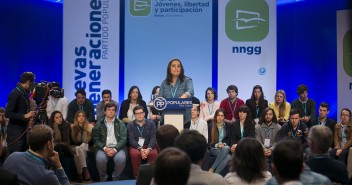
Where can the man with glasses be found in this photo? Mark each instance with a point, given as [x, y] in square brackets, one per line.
[142, 140]
[19, 113]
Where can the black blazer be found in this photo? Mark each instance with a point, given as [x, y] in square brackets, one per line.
[248, 131]
[8, 178]
[227, 137]
[252, 107]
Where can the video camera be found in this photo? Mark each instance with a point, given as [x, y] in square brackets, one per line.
[40, 94]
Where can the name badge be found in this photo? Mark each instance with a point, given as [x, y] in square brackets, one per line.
[141, 141]
[256, 120]
[267, 143]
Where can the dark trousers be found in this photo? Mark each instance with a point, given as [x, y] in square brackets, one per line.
[16, 138]
[342, 157]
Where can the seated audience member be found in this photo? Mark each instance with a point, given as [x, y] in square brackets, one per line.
[165, 137]
[134, 99]
[62, 130]
[56, 103]
[3, 135]
[107, 98]
[81, 135]
[8, 178]
[323, 118]
[219, 141]
[195, 145]
[110, 137]
[243, 127]
[197, 123]
[304, 105]
[141, 139]
[342, 137]
[81, 103]
[266, 130]
[320, 139]
[288, 166]
[209, 106]
[281, 107]
[231, 104]
[172, 167]
[153, 113]
[294, 129]
[40, 164]
[257, 103]
[248, 164]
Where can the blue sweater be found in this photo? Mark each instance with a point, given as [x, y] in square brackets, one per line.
[32, 169]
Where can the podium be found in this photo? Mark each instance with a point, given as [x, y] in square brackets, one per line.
[173, 110]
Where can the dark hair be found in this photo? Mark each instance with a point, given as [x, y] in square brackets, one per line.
[261, 94]
[171, 167]
[137, 108]
[52, 118]
[245, 108]
[193, 143]
[38, 136]
[214, 136]
[110, 104]
[3, 120]
[155, 88]
[166, 135]
[213, 91]
[248, 160]
[232, 87]
[301, 88]
[262, 116]
[348, 110]
[27, 76]
[294, 111]
[287, 157]
[139, 93]
[106, 91]
[168, 78]
[324, 104]
[321, 137]
[80, 91]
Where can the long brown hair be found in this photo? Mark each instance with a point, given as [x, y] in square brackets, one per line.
[182, 76]
[283, 105]
[76, 129]
[214, 129]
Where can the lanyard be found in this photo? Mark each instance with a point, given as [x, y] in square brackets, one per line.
[52, 102]
[294, 132]
[81, 107]
[304, 108]
[232, 111]
[212, 109]
[140, 130]
[25, 98]
[241, 130]
[257, 111]
[173, 93]
[267, 132]
[109, 128]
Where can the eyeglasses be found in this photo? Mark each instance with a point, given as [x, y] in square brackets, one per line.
[139, 113]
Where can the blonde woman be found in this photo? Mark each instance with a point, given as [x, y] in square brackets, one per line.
[281, 107]
[81, 135]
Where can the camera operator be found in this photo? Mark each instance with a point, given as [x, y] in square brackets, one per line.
[56, 101]
[19, 113]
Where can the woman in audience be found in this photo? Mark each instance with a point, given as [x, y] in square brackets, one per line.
[243, 127]
[257, 103]
[3, 135]
[153, 113]
[219, 141]
[209, 106]
[62, 131]
[177, 85]
[281, 107]
[81, 135]
[134, 99]
[248, 165]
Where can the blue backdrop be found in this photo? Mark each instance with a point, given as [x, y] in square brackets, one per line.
[31, 40]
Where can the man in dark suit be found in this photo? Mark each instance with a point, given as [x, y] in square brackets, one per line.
[8, 178]
[323, 118]
[165, 137]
